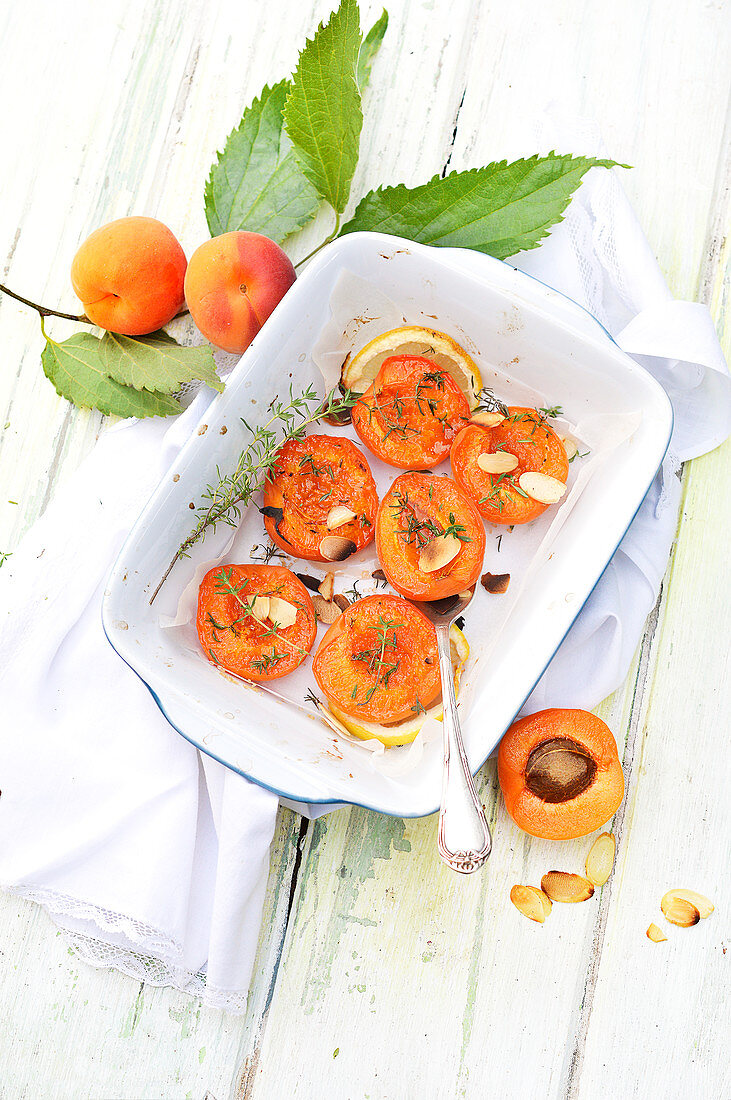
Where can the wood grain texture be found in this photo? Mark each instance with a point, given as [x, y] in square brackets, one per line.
[379, 973]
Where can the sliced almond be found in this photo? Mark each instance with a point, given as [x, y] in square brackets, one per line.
[679, 910]
[531, 902]
[497, 462]
[326, 611]
[655, 934]
[438, 553]
[486, 419]
[541, 487]
[562, 886]
[339, 515]
[702, 904]
[600, 860]
[327, 587]
[569, 445]
[495, 583]
[336, 548]
[282, 612]
[341, 601]
[260, 608]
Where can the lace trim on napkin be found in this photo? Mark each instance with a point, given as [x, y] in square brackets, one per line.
[138, 958]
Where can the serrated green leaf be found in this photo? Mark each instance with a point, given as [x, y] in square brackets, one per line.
[322, 113]
[156, 362]
[256, 183]
[369, 49]
[76, 370]
[500, 209]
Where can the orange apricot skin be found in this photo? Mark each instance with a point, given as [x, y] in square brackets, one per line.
[233, 284]
[577, 816]
[129, 275]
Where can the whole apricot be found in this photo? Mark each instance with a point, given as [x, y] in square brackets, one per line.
[233, 283]
[129, 275]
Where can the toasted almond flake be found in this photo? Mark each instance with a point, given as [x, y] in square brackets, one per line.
[600, 860]
[341, 601]
[326, 611]
[702, 904]
[531, 902]
[336, 548]
[497, 462]
[339, 515]
[260, 608]
[655, 934]
[487, 419]
[282, 612]
[495, 583]
[569, 445]
[565, 887]
[541, 487]
[679, 911]
[438, 553]
[327, 587]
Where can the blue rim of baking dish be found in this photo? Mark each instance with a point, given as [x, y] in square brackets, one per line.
[337, 803]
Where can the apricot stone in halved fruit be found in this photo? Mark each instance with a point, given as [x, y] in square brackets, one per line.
[560, 773]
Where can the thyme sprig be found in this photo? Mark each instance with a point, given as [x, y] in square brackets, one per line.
[224, 499]
[378, 665]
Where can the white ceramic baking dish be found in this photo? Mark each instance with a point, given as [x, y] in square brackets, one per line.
[522, 334]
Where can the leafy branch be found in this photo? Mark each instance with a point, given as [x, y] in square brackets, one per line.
[223, 500]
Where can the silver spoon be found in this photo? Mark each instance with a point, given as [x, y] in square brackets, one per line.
[464, 840]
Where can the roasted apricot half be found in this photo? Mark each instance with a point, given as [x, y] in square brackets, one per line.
[560, 773]
[493, 465]
[429, 536]
[411, 413]
[320, 500]
[379, 661]
[256, 621]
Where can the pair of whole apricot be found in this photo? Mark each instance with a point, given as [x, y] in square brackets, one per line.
[132, 277]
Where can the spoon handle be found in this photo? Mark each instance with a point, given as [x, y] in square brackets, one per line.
[464, 840]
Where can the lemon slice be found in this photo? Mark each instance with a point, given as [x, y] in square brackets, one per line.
[359, 372]
[406, 731]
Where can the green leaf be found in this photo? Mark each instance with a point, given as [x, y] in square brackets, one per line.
[156, 362]
[256, 183]
[76, 370]
[500, 209]
[369, 49]
[322, 114]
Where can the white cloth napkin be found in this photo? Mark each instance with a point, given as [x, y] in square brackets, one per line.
[153, 859]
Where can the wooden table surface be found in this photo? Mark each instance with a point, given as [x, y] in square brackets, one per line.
[381, 974]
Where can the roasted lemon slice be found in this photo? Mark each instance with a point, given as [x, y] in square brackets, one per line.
[405, 732]
[360, 370]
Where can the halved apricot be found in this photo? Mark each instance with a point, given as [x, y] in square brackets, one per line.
[560, 773]
[379, 661]
[321, 486]
[411, 413]
[521, 443]
[429, 536]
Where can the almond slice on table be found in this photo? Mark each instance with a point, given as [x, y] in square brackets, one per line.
[260, 608]
[541, 487]
[565, 887]
[679, 909]
[531, 902]
[702, 904]
[497, 462]
[486, 419]
[282, 612]
[600, 860]
[438, 553]
[339, 515]
[336, 547]
[655, 934]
